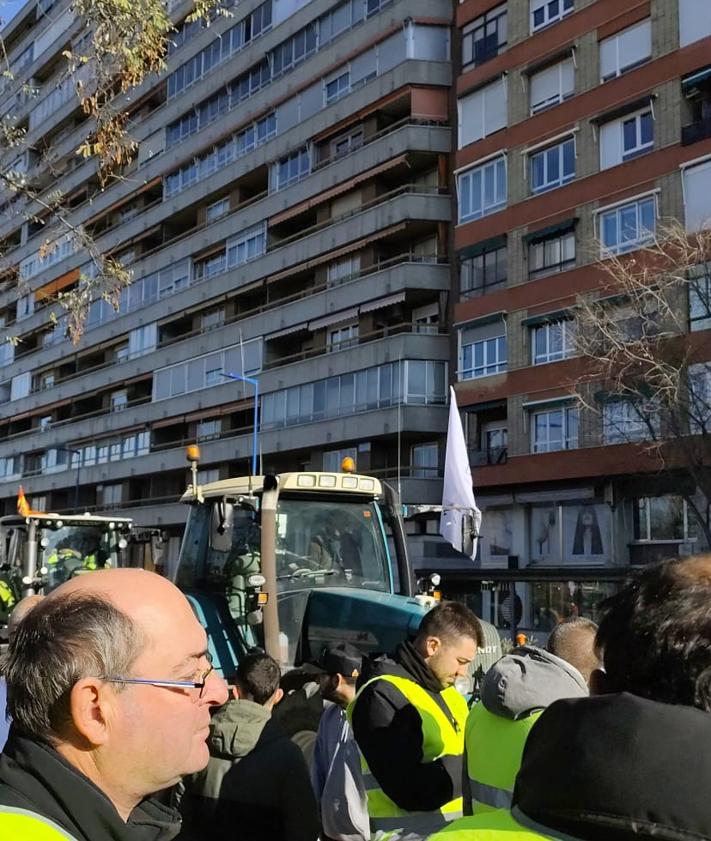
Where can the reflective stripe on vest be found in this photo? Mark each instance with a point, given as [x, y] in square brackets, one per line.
[495, 826]
[494, 750]
[439, 738]
[23, 825]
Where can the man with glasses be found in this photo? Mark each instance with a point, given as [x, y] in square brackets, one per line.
[110, 690]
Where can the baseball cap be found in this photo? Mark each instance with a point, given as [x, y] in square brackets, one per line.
[342, 659]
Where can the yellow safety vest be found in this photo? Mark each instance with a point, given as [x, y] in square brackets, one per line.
[23, 825]
[496, 826]
[494, 747]
[439, 738]
[7, 597]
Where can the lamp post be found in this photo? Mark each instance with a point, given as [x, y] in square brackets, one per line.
[255, 434]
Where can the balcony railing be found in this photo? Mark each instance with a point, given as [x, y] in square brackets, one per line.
[482, 458]
[695, 132]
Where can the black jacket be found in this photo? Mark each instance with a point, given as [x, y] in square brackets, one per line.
[388, 730]
[616, 768]
[35, 777]
[256, 785]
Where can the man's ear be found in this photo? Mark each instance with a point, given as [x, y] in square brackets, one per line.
[599, 682]
[278, 695]
[92, 707]
[432, 645]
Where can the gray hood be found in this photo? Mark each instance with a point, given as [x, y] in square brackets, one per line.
[528, 679]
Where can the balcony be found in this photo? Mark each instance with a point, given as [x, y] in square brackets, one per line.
[696, 131]
[484, 458]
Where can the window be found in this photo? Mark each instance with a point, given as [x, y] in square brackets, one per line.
[483, 358]
[25, 306]
[212, 319]
[697, 196]
[552, 341]
[482, 190]
[545, 12]
[423, 459]
[248, 245]
[119, 400]
[332, 459]
[628, 226]
[551, 86]
[341, 271]
[553, 167]
[554, 253]
[343, 337]
[217, 210]
[485, 271]
[699, 407]
[483, 112]
[694, 21]
[347, 143]
[338, 87]
[625, 50]
[426, 319]
[38, 503]
[111, 495]
[495, 439]
[204, 477]
[623, 139]
[485, 37]
[142, 340]
[555, 429]
[208, 429]
[700, 302]
[663, 518]
[293, 167]
[624, 421]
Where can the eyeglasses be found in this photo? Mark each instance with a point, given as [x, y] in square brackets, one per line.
[171, 684]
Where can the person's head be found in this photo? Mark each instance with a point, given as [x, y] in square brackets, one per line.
[21, 609]
[257, 679]
[655, 634]
[573, 640]
[340, 667]
[63, 673]
[447, 640]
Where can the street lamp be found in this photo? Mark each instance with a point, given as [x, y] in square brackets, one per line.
[255, 434]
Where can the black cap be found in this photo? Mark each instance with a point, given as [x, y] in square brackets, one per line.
[342, 659]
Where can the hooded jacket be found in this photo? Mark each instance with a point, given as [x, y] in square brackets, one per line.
[617, 767]
[513, 693]
[256, 783]
[388, 730]
[35, 778]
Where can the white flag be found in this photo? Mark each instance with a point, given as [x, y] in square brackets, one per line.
[458, 505]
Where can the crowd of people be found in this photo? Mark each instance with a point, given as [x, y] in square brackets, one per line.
[123, 731]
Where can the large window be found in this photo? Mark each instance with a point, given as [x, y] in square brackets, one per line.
[623, 139]
[625, 50]
[697, 196]
[628, 226]
[484, 271]
[423, 458]
[623, 420]
[551, 253]
[482, 357]
[545, 12]
[482, 189]
[552, 341]
[663, 518]
[333, 459]
[553, 167]
[343, 337]
[293, 167]
[700, 301]
[694, 21]
[551, 86]
[483, 112]
[485, 37]
[555, 429]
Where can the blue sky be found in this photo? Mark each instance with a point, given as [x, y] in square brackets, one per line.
[8, 9]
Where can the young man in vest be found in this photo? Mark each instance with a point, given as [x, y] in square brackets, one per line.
[408, 719]
[634, 762]
[110, 690]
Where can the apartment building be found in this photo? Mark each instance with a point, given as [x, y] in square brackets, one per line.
[286, 219]
[583, 125]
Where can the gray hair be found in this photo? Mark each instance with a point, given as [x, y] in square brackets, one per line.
[59, 642]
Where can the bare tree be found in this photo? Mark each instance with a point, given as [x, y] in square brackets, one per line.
[125, 44]
[643, 356]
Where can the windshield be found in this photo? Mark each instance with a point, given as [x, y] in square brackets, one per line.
[71, 550]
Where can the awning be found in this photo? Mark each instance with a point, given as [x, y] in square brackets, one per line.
[696, 78]
[381, 303]
[481, 320]
[334, 318]
[487, 245]
[621, 110]
[545, 317]
[550, 230]
[288, 331]
[326, 195]
[337, 253]
[50, 289]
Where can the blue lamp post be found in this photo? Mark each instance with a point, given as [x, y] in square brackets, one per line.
[255, 434]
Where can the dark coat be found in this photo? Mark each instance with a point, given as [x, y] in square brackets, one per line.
[256, 785]
[35, 777]
[388, 730]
